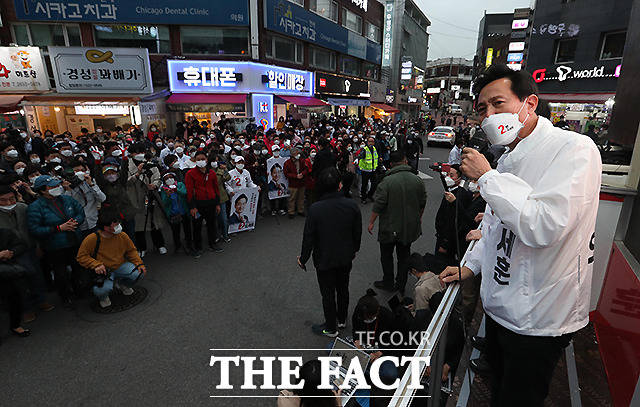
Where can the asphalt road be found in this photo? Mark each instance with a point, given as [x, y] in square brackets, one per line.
[250, 296]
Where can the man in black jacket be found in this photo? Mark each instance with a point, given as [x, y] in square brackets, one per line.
[332, 231]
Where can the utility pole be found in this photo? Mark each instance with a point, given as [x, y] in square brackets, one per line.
[449, 80]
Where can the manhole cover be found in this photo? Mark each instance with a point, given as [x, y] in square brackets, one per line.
[121, 302]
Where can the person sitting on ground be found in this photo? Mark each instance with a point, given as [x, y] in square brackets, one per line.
[428, 283]
[116, 257]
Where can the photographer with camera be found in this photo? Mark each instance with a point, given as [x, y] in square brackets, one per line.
[144, 176]
[85, 190]
[112, 256]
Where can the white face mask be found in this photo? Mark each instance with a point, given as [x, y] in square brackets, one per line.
[276, 153]
[116, 153]
[214, 164]
[66, 153]
[201, 163]
[159, 144]
[240, 166]
[227, 140]
[297, 156]
[312, 155]
[503, 128]
[112, 177]
[12, 154]
[450, 182]
[179, 150]
[153, 129]
[170, 145]
[8, 207]
[139, 157]
[57, 191]
[23, 135]
[202, 145]
[35, 160]
[20, 171]
[80, 175]
[276, 142]
[238, 148]
[55, 160]
[117, 229]
[170, 181]
[265, 152]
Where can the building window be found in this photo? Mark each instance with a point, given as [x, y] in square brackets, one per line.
[565, 51]
[153, 38]
[43, 35]
[323, 59]
[326, 8]
[370, 71]
[284, 49]
[613, 45]
[351, 21]
[209, 40]
[350, 66]
[372, 32]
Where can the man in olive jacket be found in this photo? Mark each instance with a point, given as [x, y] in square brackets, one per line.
[399, 201]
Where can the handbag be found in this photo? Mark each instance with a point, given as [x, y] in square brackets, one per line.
[11, 271]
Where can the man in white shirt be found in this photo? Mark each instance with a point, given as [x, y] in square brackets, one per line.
[537, 246]
[240, 178]
[455, 155]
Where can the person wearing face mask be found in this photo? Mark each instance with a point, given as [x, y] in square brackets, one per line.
[110, 252]
[169, 149]
[455, 155]
[153, 132]
[54, 219]
[446, 235]
[296, 171]
[88, 193]
[203, 198]
[9, 157]
[114, 186]
[13, 216]
[535, 252]
[173, 194]
[66, 152]
[220, 167]
[368, 161]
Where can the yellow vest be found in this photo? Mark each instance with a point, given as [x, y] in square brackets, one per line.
[370, 160]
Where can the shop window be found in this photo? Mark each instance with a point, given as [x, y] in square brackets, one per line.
[326, 8]
[351, 21]
[372, 32]
[350, 66]
[613, 45]
[209, 40]
[565, 51]
[370, 71]
[284, 49]
[323, 59]
[43, 35]
[153, 38]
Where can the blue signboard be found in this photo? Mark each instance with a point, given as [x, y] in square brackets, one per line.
[263, 110]
[295, 21]
[187, 76]
[203, 12]
[515, 57]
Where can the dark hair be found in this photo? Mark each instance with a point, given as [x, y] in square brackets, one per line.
[457, 168]
[6, 189]
[310, 372]
[106, 217]
[522, 83]
[543, 109]
[169, 159]
[396, 157]
[368, 305]
[241, 196]
[329, 180]
[416, 262]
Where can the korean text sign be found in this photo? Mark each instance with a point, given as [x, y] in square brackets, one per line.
[22, 69]
[200, 12]
[237, 77]
[101, 70]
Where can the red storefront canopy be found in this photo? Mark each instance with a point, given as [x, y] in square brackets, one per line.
[206, 98]
[303, 100]
[386, 108]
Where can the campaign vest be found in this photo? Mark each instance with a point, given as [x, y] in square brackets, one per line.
[370, 160]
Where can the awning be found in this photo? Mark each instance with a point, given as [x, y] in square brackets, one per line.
[348, 102]
[72, 99]
[386, 108]
[9, 103]
[206, 98]
[303, 100]
[577, 97]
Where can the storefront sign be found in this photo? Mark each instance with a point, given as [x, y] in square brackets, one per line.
[387, 38]
[187, 76]
[263, 110]
[489, 57]
[102, 109]
[455, 87]
[520, 24]
[566, 72]
[406, 71]
[515, 57]
[433, 91]
[148, 108]
[22, 70]
[202, 12]
[101, 70]
[516, 46]
[330, 84]
[290, 19]
[556, 30]
[363, 4]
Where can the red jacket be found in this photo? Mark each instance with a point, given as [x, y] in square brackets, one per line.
[309, 181]
[291, 172]
[201, 187]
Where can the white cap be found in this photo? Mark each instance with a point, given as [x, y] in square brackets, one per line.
[275, 147]
[238, 158]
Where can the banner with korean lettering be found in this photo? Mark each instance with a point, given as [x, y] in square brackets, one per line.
[244, 208]
[277, 182]
[22, 70]
[101, 70]
[198, 12]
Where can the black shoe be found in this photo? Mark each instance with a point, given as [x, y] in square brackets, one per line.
[383, 286]
[196, 254]
[479, 343]
[321, 329]
[342, 325]
[215, 249]
[480, 366]
[22, 334]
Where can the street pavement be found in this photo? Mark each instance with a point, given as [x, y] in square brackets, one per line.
[250, 296]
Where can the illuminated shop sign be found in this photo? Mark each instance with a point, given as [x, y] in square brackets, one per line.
[519, 24]
[515, 57]
[263, 110]
[516, 46]
[237, 77]
[564, 73]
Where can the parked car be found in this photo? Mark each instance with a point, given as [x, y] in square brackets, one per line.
[454, 109]
[442, 134]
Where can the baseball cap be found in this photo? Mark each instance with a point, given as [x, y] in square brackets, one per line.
[46, 181]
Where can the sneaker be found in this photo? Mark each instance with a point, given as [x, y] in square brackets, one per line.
[227, 239]
[282, 212]
[142, 253]
[163, 250]
[321, 330]
[383, 286]
[215, 249]
[105, 302]
[342, 325]
[273, 213]
[197, 254]
[124, 289]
